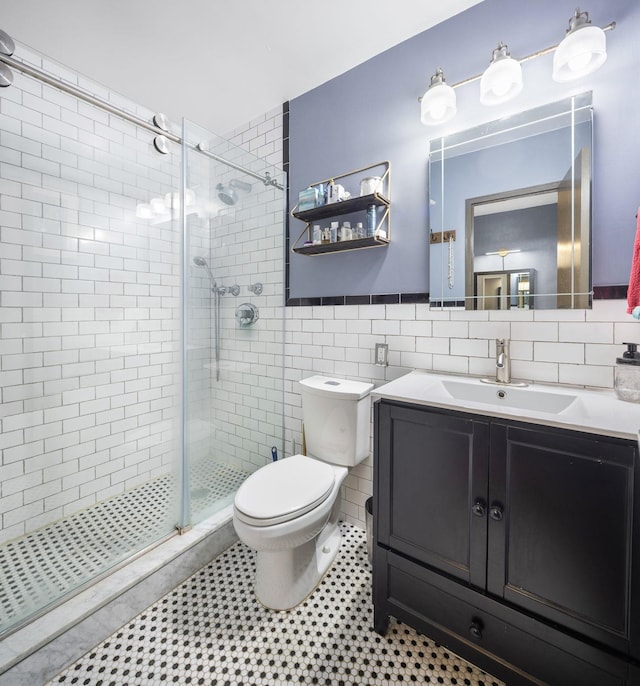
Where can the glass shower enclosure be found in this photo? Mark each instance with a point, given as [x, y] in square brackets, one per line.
[233, 355]
[136, 394]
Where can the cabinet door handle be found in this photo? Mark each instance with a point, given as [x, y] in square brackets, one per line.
[475, 629]
[496, 512]
[478, 508]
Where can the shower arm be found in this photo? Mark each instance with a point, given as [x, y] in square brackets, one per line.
[91, 99]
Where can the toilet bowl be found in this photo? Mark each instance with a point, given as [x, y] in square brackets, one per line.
[287, 511]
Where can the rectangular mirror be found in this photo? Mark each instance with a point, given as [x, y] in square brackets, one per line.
[510, 211]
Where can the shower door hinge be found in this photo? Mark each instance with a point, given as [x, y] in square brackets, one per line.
[183, 529]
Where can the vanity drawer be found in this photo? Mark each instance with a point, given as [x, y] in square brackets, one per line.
[480, 628]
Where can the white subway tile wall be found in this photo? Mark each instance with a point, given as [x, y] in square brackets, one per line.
[89, 304]
[576, 347]
[247, 248]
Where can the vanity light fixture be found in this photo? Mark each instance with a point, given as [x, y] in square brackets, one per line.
[172, 199]
[438, 104]
[503, 252]
[582, 51]
[162, 209]
[502, 79]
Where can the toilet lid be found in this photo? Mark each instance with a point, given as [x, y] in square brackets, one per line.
[285, 489]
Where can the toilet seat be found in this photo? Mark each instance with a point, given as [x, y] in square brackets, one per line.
[283, 490]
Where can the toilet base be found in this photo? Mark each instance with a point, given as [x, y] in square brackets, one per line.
[284, 578]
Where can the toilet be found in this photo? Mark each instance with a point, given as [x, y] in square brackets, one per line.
[287, 511]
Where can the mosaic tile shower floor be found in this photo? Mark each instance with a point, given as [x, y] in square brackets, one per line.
[42, 566]
[210, 630]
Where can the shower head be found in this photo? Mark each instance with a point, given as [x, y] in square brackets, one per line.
[201, 262]
[227, 193]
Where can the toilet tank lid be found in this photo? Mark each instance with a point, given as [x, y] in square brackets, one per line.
[328, 385]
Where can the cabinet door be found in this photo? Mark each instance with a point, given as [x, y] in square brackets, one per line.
[561, 527]
[431, 476]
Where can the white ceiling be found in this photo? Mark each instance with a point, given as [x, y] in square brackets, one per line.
[218, 63]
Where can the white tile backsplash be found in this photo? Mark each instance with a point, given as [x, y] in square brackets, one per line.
[575, 347]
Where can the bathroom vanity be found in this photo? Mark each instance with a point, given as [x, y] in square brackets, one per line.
[507, 526]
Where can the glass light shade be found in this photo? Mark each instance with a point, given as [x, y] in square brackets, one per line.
[581, 52]
[158, 206]
[189, 197]
[143, 210]
[172, 200]
[438, 104]
[501, 81]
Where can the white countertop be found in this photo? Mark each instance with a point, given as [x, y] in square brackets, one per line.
[593, 411]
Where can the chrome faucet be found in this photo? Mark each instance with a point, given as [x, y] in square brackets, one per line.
[503, 362]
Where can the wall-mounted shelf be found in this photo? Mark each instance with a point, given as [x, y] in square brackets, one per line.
[358, 203]
[337, 209]
[354, 244]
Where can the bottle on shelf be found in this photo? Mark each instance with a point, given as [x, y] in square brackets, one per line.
[345, 231]
[333, 232]
[371, 221]
[317, 234]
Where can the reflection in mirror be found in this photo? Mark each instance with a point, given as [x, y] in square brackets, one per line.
[515, 196]
[504, 290]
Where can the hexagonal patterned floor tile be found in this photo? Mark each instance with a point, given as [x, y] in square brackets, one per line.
[211, 630]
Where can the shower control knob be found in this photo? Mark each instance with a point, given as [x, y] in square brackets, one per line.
[246, 314]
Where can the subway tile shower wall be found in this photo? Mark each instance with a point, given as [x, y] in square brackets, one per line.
[575, 347]
[90, 304]
[248, 247]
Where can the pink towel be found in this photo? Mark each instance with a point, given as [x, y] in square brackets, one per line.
[633, 292]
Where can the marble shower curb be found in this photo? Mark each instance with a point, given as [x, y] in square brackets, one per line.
[37, 652]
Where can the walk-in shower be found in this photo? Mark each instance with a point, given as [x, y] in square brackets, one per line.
[132, 403]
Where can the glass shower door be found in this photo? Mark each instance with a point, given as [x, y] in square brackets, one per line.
[90, 319]
[234, 211]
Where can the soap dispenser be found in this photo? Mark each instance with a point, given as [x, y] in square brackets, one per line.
[627, 377]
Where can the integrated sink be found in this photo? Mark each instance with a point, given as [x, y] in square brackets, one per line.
[590, 410]
[513, 397]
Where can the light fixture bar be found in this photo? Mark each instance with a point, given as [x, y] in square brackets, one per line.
[502, 252]
[532, 56]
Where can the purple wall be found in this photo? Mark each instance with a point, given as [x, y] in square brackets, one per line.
[371, 113]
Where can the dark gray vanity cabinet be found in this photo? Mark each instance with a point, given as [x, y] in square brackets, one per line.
[425, 512]
[513, 544]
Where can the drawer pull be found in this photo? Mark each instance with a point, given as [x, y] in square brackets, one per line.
[478, 508]
[496, 512]
[475, 629]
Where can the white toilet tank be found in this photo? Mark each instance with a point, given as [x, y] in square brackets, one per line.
[337, 419]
